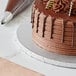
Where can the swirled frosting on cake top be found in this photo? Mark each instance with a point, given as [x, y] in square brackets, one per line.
[63, 6]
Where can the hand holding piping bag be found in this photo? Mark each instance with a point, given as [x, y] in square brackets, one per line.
[13, 8]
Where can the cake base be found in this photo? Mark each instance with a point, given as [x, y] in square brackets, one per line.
[24, 40]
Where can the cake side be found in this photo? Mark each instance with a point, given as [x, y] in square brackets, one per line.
[52, 31]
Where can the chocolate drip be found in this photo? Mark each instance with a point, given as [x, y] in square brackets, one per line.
[37, 22]
[63, 30]
[44, 24]
[32, 19]
[74, 24]
[53, 20]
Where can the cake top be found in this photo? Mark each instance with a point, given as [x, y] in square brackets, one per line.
[62, 6]
[65, 9]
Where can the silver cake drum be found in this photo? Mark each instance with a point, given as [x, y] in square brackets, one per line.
[24, 40]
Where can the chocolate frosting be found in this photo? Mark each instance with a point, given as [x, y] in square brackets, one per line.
[52, 31]
[64, 6]
[61, 5]
[74, 9]
[39, 4]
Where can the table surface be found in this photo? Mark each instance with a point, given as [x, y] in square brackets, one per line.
[11, 51]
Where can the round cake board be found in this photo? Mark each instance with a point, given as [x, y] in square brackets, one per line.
[24, 39]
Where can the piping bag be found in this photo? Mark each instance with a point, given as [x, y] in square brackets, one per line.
[13, 8]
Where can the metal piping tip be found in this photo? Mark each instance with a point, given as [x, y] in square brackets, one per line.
[2, 23]
[7, 17]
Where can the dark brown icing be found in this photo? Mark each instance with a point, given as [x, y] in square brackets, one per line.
[44, 25]
[53, 20]
[37, 22]
[32, 18]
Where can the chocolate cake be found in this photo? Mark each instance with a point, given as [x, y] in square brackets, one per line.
[54, 25]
